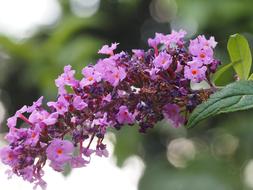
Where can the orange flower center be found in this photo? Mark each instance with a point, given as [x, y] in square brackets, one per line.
[33, 135]
[10, 157]
[59, 151]
[116, 75]
[194, 71]
[202, 55]
[90, 78]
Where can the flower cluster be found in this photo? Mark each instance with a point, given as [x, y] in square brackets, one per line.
[141, 88]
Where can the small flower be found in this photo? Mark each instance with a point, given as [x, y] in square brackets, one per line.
[205, 55]
[194, 72]
[8, 156]
[90, 76]
[61, 105]
[33, 136]
[124, 116]
[79, 103]
[163, 60]
[43, 117]
[67, 78]
[209, 43]
[78, 162]
[108, 50]
[60, 151]
[116, 75]
[12, 121]
[37, 104]
[153, 42]
[138, 53]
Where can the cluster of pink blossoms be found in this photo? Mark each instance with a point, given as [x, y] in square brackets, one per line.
[141, 88]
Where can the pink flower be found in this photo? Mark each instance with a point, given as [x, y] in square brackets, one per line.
[12, 121]
[78, 103]
[59, 152]
[66, 78]
[78, 162]
[8, 156]
[115, 76]
[172, 40]
[138, 53]
[209, 43]
[43, 117]
[110, 72]
[36, 104]
[153, 42]
[108, 50]
[61, 105]
[195, 72]
[153, 72]
[90, 76]
[163, 60]
[33, 136]
[124, 116]
[172, 113]
[202, 49]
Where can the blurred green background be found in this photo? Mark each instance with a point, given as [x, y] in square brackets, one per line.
[217, 154]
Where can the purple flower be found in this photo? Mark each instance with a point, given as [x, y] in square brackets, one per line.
[209, 43]
[66, 78]
[202, 49]
[61, 105]
[153, 42]
[124, 116]
[79, 103]
[78, 162]
[33, 136]
[110, 72]
[138, 53]
[163, 60]
[143, 88]
[172, 113]
[108, 50]
[37, 104]
[27, 173]
[175, 38]
[171, 40]
[43, 117]
[194, 72]
[8, 156]
[15, 134]
[12, 121]
[116, 75]
[90, 76]
[59, 151]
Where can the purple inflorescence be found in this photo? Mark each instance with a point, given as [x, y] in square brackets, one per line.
[142, 89]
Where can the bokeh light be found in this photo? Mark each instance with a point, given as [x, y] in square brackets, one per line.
[20, 19]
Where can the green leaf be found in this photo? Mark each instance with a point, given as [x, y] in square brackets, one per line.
[234, 97]
[223, 69]
[251, 77]
[238, 49]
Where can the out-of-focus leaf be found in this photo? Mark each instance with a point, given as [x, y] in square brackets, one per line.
[128, 141]
[238, 49]
[224, 69]
[234, 97]
[251, 77]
